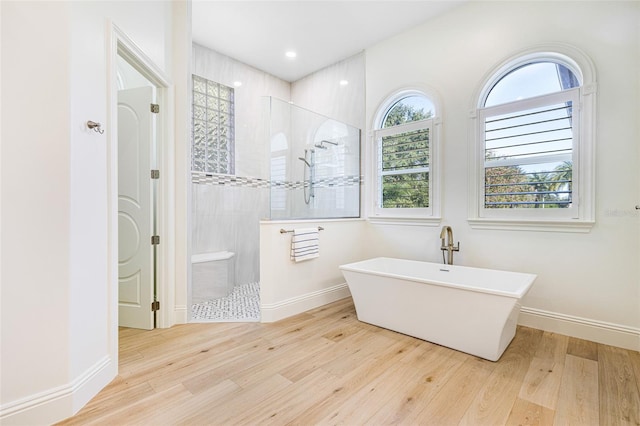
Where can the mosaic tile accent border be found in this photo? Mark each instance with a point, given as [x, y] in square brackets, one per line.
[229, 180]
[251, 182]
[338, 181]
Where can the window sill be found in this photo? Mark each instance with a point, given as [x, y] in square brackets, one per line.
[574, 226]
[404, 220]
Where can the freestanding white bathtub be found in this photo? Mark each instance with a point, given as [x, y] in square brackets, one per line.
[472, 310]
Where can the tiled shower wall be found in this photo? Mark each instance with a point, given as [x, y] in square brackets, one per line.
[323, 93]
[226, 218]
[226, 210]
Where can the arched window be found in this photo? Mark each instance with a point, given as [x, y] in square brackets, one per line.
[533, 154]
[407, 109]
[405, 140]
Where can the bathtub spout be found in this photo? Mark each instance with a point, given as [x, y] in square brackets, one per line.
[448, 247]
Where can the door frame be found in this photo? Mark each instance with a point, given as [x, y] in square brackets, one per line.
[119, 44]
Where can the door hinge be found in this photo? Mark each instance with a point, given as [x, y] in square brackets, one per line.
[155, 174]
[155, 240]
[155, 306]
[155, 108]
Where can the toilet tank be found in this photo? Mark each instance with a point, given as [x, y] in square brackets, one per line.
[212, 275]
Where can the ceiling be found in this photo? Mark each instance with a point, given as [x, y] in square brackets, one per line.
[322, 33]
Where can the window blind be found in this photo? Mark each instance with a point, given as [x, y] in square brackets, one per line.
[404, 169]
[528, 153]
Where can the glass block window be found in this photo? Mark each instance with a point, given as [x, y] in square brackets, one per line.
[213, 127]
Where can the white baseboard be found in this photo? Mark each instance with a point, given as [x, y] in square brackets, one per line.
[276, 311]
[180, 314]
[582, 328]
[57, 404]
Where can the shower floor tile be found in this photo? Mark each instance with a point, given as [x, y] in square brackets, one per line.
[243, 304]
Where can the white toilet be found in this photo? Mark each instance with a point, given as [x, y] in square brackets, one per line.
[212, 275]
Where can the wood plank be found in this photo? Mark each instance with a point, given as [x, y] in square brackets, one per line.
[202, 343]
[291, 403]
[542, 381]
[149, 410]
[355, 380]
[179, 413]
[342, 332]
[374, 394]
[406, 404]
[301, 367]
[494, 401]
[358, 349]
[454, 397]
[265, 360]
[199, 361]
[618, 391]
[526, 413]
[222, 409]
[291, 329]
[552, 347]
[578, 399]
[250, 371]
[583, 348]
[541, 384]
[635, 362]
[103, 403]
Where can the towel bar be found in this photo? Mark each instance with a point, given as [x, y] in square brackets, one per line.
[284, 231]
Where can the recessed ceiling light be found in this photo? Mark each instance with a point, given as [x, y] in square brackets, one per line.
[237, 83]
[343, 82]
[290, 54]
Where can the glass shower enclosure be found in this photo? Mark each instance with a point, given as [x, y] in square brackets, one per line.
[314, 164]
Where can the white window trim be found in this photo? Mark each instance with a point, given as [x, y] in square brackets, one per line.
[584, 149]
[422, 216]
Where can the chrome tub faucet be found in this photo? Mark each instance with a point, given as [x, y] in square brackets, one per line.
[448, 247]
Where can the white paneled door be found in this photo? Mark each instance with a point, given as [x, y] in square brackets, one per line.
[135, 208]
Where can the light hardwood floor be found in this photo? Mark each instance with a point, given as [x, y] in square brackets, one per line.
[326, 367]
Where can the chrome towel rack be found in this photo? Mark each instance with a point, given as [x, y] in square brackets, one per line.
[285, 231]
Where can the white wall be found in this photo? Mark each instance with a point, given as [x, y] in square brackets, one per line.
[36, 157]
[59, 347]
[288, 288]
[588, 284]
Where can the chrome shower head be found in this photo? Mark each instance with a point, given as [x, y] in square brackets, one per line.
[322, 142]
